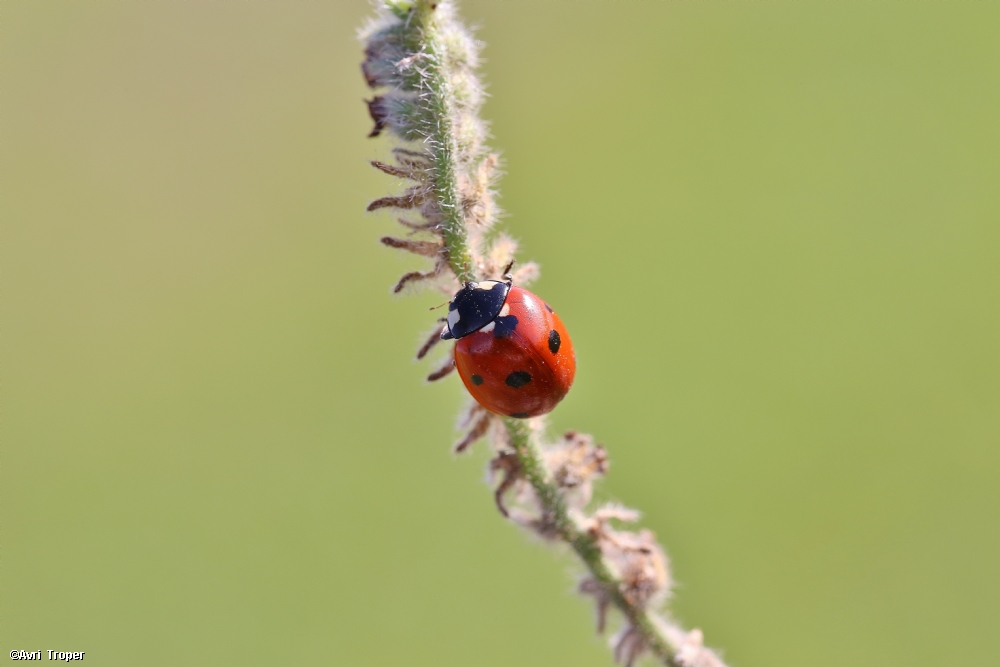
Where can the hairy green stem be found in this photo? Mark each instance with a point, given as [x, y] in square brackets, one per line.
[522, 440]
[442, 136]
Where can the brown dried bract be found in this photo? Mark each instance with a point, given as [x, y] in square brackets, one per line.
[507, 463]
[629, 645]
[377, 110]
[425, 248]
[414, 276]
[433, 339]
[477, 431]
[447, 367]
[602, 600]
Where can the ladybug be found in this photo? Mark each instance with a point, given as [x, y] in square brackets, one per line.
[513, 352]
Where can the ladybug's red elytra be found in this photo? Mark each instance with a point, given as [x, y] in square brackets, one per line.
[513, 352]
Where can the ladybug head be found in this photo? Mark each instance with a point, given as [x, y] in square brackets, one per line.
[475, 306]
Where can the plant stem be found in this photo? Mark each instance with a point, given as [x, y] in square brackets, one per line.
[522, 440]
[442, 136]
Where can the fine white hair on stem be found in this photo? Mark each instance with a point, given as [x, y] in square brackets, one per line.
[421, 63]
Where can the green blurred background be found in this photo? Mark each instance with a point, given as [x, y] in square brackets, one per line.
[771, 227]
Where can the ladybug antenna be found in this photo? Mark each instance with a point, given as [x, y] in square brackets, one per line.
[439, 305]
[506, 272]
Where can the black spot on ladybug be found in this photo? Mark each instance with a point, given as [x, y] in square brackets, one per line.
[477, 380]
[548, 307]
[554, 341]
[518, 379]
[504, 326]
[519, 415]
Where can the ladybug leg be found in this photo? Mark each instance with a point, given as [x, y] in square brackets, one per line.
[511, 467]
[445, 369]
